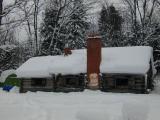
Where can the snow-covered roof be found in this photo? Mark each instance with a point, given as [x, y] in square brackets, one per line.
[71, 64]
[133, 60]
[35, 67]
[45, 66]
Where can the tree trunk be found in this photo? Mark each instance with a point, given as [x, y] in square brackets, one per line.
[1, 11]
[135, 16]
[36, 2]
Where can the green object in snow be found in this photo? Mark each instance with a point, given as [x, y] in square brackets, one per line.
[12, 80]
[1, 84]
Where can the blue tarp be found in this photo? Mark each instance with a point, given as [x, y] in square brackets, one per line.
[7, 87]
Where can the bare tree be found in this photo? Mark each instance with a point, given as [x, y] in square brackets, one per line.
[28, 12]
[141, 12]
[36, 11]
[5, 12]
[1, 10]
[158, 2]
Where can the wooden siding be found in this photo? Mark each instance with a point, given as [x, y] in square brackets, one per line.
[55, 85]
[26, 85]
[129, 83]
[69, 83]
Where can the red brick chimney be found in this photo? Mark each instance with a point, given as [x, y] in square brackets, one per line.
[93, 60]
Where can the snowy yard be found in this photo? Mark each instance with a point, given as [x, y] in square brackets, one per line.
[87, 105]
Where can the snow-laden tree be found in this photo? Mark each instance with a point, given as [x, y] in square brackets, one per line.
[50, 29]
[1, 10]
[144, 21]
[77, 26]
[64, 23]
[9, 57]
[110, 24]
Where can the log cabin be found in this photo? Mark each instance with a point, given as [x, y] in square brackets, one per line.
[115, 69]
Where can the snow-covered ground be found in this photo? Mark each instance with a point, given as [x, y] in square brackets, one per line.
[87, 105]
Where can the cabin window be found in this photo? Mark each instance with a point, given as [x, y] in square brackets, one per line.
[69, 81]
[38, 82]
[121, 82]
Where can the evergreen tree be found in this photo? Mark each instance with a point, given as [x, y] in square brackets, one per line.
[63, 24]
[50, 30]
[110, 23]
[9, 55]
[47, 31]
[77, 26]
[152, 37]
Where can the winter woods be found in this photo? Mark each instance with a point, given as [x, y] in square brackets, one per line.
[144, 22]
[137, 24]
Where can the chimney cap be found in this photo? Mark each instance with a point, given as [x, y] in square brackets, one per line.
[94, 35]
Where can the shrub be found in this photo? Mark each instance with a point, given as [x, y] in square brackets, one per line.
[12, 80]
[1, 84]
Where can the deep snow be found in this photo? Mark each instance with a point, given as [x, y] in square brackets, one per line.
[87, 105]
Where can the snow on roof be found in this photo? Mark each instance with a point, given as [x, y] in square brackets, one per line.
[71, 64]
[35, 67]
[133, 60]
[45, 66]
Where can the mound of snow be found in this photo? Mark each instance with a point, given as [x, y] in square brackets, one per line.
[135, 111]
[113, 111]
[14, 90]
[5, 74]
[92, 115]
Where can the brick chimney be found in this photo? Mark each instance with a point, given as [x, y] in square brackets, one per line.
[93, 61]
